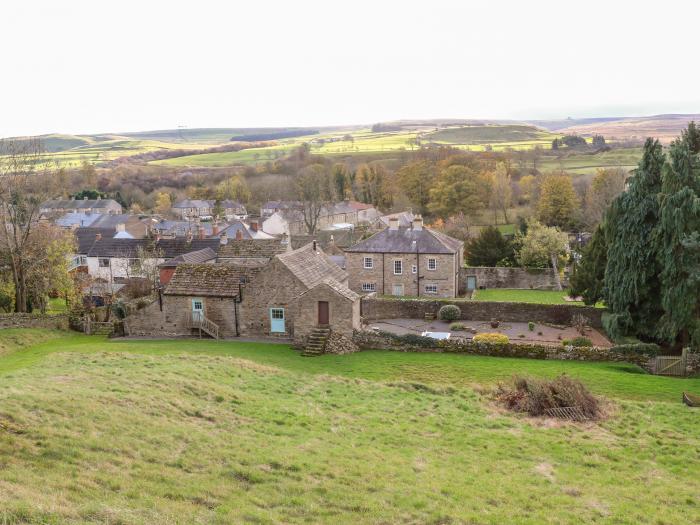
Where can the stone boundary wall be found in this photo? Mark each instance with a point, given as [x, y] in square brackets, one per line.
[375, 308]
[53, 321]
[506, 277]
[384, 341]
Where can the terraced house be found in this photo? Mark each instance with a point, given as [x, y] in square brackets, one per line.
[413, 261]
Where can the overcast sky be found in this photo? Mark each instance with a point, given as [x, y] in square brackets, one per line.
[107, 66]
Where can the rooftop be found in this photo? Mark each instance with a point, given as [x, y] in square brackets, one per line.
[312, 267]
[408, 240]
[211, 280]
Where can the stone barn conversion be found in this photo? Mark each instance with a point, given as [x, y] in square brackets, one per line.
[295, 295]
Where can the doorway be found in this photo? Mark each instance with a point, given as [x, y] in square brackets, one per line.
[323, 313]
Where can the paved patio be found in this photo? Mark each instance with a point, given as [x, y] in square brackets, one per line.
[515, 331]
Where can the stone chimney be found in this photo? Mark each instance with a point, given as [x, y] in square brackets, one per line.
[223, 238]
[200, 233]
[254, 225]
[417, 223]
[215, 230]
[121, 227]
[98, 237]
[393, 223]
[239, 235]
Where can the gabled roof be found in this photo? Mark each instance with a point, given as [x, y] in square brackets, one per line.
[80, 204]
[87, 236]
[166, 248]
[338, 288]
[251, 248]
[246, 231]
[408, 240]
[196, 257]
[77, 219]
[210, 280]
[405, 218]
[311, 267]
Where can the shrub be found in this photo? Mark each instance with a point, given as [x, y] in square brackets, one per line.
[536, 396]
[457, 327]
[531, 326]
[449, 312]
[492, 339]
[649, 349]
[577, 341]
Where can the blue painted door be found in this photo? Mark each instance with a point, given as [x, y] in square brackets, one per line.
[277, 320]
[471, 282]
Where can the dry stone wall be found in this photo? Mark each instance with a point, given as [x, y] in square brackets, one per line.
[53, 321]
[505, 277]
[375, 308]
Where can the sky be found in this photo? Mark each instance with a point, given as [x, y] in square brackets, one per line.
[98, 66]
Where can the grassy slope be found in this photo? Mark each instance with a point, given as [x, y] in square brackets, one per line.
[490, 134]
[582, 164]
[182, 432]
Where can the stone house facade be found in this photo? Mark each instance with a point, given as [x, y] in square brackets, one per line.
[286, 297]
[413, 261]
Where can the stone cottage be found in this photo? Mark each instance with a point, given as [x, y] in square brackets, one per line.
[413, 261]
[289, 297]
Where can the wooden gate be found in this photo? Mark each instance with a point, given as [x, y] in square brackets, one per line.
[670, 365]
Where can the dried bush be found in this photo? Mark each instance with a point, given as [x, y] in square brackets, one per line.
[449, 312]
[536, 396]
[492, 339]
[580, 322]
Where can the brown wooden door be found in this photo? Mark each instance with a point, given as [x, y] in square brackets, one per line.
[323, 313]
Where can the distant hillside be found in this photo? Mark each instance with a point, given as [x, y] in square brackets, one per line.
[486, 134]
[559, 124]
[663, 127]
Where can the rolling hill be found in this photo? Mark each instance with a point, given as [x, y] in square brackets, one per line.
[663, 127]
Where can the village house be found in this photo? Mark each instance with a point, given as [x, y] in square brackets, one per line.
[192, 208]
[289, 219]
[413, 261]
[167, 268]
[117, 260]
[291, 296]
[60, 206]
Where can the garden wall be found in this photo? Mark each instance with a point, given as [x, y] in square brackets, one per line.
[505, 277]
[375, 308]
[54, 321]
[385, 341]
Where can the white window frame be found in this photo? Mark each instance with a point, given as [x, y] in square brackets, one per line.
[431, 288]
[433, 261]
[277, 313]
[414, 269]
[400, 266]
[369, 260]
[369, 287]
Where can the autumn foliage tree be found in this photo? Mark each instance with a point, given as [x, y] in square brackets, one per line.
[558, 203]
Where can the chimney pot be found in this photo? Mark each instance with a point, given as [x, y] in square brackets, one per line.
[418, 222]
[239, 235]
[393, 223]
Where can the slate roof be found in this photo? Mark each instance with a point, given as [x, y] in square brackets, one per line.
[79, 204]
[251, 248]
[77, 219]
[405, 218]
[246, 231]
[341, 239]
[196, 257]
[87, 236]
[311, 267]
[210, 280]
[168, 248]
[408, 240]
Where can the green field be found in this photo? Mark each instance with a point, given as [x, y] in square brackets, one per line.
[491, 134]
[523, 296]
[108, 431]
[585, 164]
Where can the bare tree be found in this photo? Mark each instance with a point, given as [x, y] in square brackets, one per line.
[310, 188]
[25, 182]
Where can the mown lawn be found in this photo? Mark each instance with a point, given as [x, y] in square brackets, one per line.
[523, 296]
[108, 431]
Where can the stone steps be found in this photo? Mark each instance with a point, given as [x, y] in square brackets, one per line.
[316, 343]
